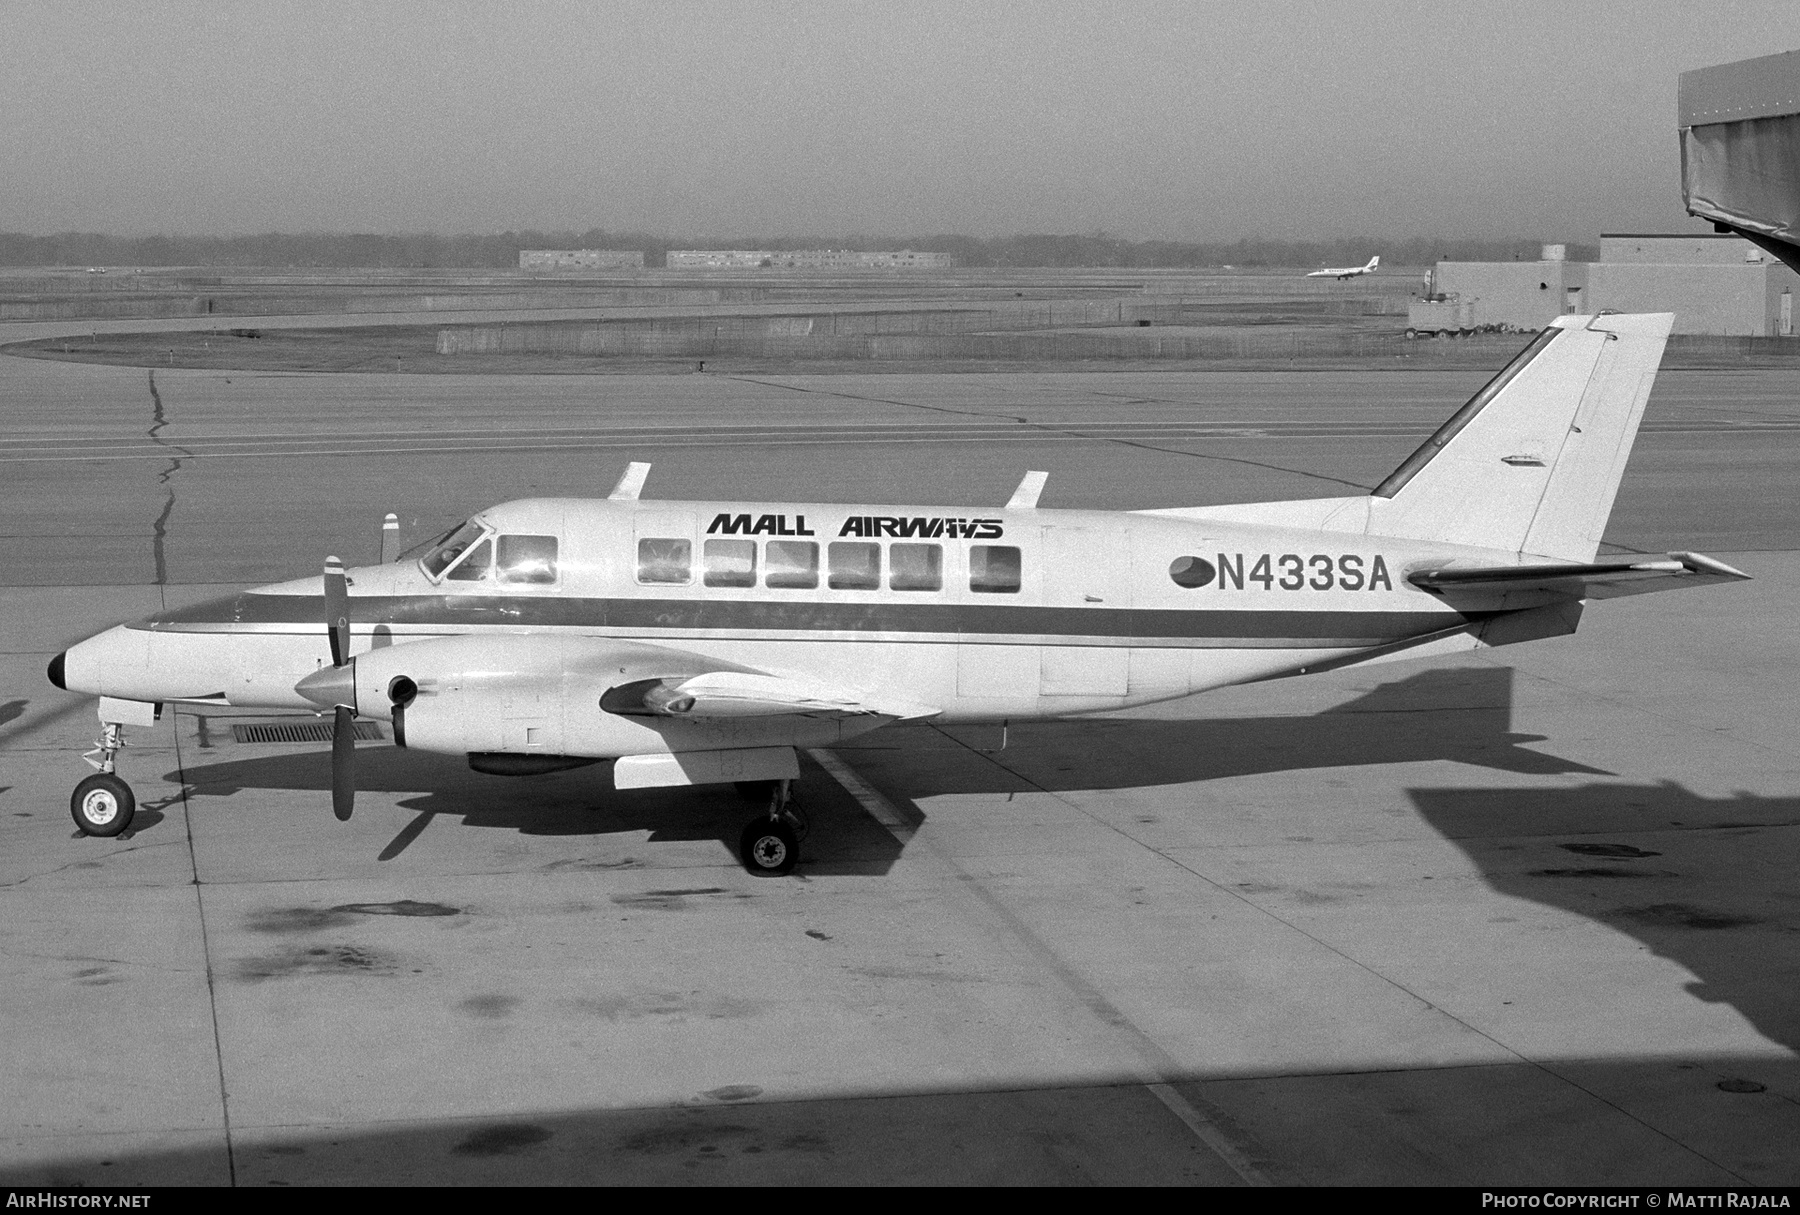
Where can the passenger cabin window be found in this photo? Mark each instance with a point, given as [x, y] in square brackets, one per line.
[793, 564]
[915, 567]
[855, 566]
[665, 562]
[476, 566]
[994, 569]
[730, 563]
[453, 546]
[526, 560]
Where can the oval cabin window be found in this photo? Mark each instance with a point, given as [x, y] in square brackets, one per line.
[1191, 572]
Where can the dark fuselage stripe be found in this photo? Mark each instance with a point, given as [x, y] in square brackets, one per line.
[968, 620]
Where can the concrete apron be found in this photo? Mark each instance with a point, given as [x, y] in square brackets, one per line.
[1524, 918]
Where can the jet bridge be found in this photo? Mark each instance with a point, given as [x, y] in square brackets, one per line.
[1740, 150]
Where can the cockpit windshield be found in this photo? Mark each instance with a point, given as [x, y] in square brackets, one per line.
[439, 559]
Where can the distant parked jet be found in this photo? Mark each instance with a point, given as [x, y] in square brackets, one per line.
[1341, 272]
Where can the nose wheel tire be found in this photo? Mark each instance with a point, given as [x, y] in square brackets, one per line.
[768, 847]
[102, 805]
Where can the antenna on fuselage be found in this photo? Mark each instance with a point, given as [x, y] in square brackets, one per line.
[1026, 496]
[631, 484]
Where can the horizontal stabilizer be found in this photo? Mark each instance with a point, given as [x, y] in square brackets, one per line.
[1590, 580]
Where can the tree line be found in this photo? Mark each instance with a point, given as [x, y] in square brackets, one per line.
[500, 250]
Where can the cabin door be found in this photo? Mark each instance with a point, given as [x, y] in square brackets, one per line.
[1085, 584]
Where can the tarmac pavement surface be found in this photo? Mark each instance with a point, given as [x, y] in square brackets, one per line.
[1525, 917]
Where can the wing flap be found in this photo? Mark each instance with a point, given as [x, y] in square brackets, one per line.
[1585, 580]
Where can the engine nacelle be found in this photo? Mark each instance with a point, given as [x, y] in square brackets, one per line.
[548, 695]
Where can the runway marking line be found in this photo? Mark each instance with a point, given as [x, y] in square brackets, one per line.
[1157, 1065]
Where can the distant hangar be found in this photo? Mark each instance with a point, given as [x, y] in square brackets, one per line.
[1714, 284]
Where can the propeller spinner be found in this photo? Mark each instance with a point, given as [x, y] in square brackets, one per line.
[334, 688]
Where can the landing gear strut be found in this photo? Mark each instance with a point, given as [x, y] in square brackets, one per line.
[103, 804]
[770, 843]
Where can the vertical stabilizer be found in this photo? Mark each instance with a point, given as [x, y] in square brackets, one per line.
[1532, 463]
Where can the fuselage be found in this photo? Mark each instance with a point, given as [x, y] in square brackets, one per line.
[982, 613]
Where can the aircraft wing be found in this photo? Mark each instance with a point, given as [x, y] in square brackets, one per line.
[635, 679]
[662, 681]
[750, 694]
[1590, 580]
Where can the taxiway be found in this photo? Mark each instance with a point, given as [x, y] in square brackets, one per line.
[1528, 917]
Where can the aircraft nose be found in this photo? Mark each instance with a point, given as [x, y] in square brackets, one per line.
[56, 670]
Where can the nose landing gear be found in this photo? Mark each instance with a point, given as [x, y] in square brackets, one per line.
[103, 804]
[770, 843]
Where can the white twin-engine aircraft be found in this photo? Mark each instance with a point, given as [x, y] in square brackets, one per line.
[699, 642]
[1342, 272]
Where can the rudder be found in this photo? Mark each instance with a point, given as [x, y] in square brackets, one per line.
[1532, 463]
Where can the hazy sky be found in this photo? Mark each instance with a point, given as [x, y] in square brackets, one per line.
[1186, 121]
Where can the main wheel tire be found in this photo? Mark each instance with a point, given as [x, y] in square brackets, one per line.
[102, 805]
[768, 847]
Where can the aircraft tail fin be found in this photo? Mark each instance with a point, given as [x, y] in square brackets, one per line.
[1374, 262]
[1532, 463]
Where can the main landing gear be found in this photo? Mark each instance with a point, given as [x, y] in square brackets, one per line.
[103, 804]
[770, 843]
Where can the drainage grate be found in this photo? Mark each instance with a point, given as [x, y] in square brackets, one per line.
[301, 732]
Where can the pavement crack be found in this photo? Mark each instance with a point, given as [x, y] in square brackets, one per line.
[160, 528]
[44, 873]
[206, 955]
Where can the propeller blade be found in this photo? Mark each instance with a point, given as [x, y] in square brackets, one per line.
[343, 763]
[337, 611]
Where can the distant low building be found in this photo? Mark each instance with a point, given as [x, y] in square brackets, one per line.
[581, 259]
[1518, 295]
[806, 259]
[1714, 284]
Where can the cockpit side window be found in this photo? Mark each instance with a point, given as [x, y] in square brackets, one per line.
[477, 566]
[526, 560]
[439, 559]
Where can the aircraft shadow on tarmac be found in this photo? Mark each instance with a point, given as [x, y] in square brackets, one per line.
[1705, 882]
[1462, 715]
[576, 803]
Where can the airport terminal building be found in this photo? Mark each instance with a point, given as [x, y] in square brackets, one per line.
[1715, 284]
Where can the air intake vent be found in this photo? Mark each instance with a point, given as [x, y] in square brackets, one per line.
[301, 732]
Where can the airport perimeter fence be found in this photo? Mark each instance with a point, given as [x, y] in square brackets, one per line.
[142, 303]
[833, 334]
[792, 340]
[1295, 283]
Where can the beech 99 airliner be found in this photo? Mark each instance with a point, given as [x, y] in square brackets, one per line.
[702, 642]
